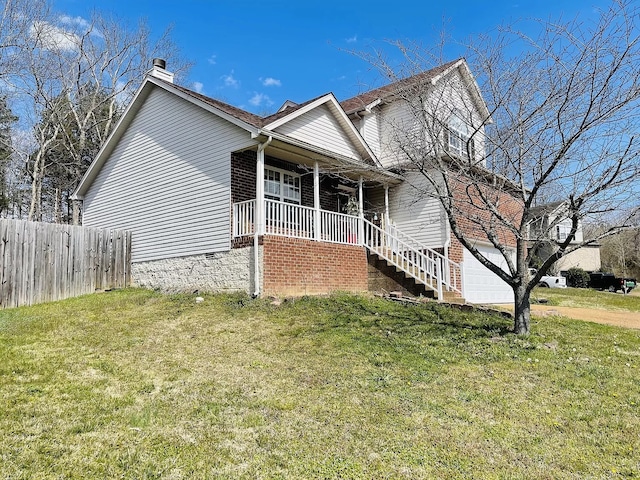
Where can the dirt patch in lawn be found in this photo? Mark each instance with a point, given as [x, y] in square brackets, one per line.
[609, 317]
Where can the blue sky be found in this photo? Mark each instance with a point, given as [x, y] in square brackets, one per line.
[257, 54]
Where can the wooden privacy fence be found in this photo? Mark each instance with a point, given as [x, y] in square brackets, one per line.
[42, 262]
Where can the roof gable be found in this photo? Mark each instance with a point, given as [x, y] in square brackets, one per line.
[320, 127]
[368, 100]
[323, 122]
[220, 109]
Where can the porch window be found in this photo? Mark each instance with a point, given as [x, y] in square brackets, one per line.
[281, 185]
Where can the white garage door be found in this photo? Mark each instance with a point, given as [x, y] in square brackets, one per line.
[481, 285]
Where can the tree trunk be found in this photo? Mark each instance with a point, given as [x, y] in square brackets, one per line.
[34, 208]
[57, 206]
[522, 312]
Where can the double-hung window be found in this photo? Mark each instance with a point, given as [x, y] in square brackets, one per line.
[458, 137]
[281, 185]
[562, 232]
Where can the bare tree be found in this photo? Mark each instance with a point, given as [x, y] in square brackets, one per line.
[620, 253]
[74, 77]
[558, 122]
[16, 20]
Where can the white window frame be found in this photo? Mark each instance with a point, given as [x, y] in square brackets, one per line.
[283, 187]
[562, 231]
[458, 134]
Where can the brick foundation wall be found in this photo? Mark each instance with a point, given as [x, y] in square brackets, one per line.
[303, 267]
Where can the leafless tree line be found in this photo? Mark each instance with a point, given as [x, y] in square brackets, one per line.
[67, 81]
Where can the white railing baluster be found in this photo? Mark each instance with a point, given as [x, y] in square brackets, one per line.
[243, 218]
[422, 263]
[286, 219]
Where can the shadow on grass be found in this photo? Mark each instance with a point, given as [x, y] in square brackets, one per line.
[355, 313]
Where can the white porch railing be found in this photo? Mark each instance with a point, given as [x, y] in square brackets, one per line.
[291, 220]
[285, 219]
[288, 220]
[244, 218]
[339, 228]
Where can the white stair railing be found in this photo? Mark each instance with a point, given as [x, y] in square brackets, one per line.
[422, 263]
[452, 274]
[418, 261]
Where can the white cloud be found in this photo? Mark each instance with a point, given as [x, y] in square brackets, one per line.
[50, 37]
[353, 39]
[212, 60]
[229, 81]
[74, 21]
[80, 23]
[271, 82]
[260, 99]
[198, 87]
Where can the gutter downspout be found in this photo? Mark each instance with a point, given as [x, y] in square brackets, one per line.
[447, 243]
[259, 215]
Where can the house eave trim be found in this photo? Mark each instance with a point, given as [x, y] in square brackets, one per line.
[353, 133]
[327, 156]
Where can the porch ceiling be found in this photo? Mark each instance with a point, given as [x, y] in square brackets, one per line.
[305, 154]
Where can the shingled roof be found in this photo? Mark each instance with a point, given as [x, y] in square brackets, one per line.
[541, 210]
[235, 112]
[350, 105]
[359, 102]
[247, 117]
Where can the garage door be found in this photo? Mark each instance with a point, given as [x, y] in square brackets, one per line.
[481, 285]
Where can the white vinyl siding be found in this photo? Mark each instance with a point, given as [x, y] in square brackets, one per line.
[320, 128]
[168, 180]
[397, 122]
[370, 131]
[415, 213]
[394, 120]
[562, 230]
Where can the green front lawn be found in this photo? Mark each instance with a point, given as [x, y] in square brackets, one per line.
[135, 384]
[588, 298]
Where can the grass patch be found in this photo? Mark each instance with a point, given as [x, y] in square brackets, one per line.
[135, 384]
[587, 298]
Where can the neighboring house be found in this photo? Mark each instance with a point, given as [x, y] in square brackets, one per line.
[550, 226]
[304, 201]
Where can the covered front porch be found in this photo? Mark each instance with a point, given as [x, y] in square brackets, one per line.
[286, 191]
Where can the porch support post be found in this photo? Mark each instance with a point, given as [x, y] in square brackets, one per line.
[386, 204]
[259, 214]
[361, 214]
[316, 201]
